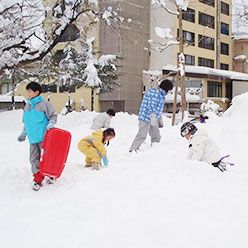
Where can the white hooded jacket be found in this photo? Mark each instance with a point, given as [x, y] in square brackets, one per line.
[203, 148]
[101, 121]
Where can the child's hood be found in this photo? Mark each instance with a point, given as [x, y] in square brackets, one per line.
[98, 134]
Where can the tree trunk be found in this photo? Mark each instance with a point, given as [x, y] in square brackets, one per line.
[181, 51]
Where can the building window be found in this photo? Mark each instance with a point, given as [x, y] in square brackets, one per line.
[72, 33]
[224, 28]
[188, 37]
[224, 48]
[189, 59]
[67, 88]
[208, 2]
[49, 88]
[224, 66]
[214, 89]
[206, 62]
[59, 55]
[206, 42]
[225, 8]
[206, 20]
[189, 15]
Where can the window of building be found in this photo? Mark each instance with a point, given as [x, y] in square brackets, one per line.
[188, 37]
[67, 88]
[206, 42]
[59, 55]
[189, 59]
[72, 33]
[224, 66]
[49, 88]
[224, 48]
[208, 2]
[225, 8]
[5, 88]
[206, 62]
[189, 15]
[224, 28]
[206, 20]
[214, 89]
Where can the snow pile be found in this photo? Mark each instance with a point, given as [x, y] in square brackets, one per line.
[210, 106]
[155, 198]
[192, 95]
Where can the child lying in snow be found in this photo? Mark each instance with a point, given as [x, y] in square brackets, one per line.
[202, 147]
[93, 147]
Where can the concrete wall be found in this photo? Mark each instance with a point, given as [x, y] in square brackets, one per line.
[239, 87]
[160, 18]
[128, 40]
[240, 48]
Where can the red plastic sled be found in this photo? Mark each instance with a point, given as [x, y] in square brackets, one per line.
[54, 152]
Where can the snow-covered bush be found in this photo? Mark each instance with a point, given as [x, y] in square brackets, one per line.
[211, 106]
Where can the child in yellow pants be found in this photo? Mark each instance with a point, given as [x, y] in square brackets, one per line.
[93, 147]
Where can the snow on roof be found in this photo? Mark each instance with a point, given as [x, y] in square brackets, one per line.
[210, 71]
[4, 98]
[240, 36]
[153, 72]
[240, 57]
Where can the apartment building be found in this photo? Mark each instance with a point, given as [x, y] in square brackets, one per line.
[207, 29]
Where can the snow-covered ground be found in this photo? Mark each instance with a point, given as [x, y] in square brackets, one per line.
[155, 198]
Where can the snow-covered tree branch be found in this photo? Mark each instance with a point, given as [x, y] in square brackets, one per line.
[23, 36]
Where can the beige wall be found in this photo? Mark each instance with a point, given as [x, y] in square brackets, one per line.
[59, 99]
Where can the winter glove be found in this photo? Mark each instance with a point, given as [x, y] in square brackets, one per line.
[22, 136]
[154, 120]
[105, 161]
[50, 125]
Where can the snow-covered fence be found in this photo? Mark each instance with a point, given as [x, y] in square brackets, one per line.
[6, 102]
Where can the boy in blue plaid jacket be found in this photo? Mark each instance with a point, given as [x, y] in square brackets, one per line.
[150, 113]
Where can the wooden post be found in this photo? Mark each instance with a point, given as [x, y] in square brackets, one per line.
[175, 100]
[13, 93]
[92, 99]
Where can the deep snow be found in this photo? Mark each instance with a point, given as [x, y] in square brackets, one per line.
[155, 198]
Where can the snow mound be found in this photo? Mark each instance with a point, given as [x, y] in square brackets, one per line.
[153, 198]
[239, 107]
